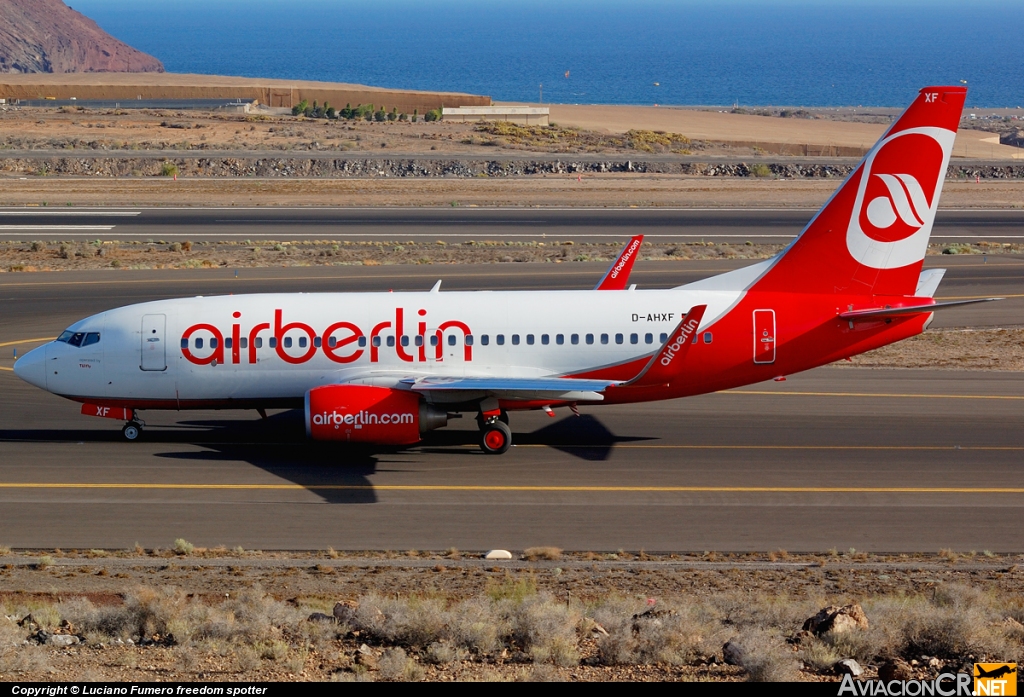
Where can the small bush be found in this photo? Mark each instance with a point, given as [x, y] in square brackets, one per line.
[820, 656]
[168, 169]
[395, 664]
[542, 553]
[181, 546]
[246, 659]
[272, 649]
[475, 624]
[442, 653]
[760, 169]
[766, 658]
[412, 622]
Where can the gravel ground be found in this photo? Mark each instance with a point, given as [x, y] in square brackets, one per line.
[762, 593]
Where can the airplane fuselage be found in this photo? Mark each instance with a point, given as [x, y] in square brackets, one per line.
[267, 350]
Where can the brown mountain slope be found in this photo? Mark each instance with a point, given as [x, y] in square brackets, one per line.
[47, 36]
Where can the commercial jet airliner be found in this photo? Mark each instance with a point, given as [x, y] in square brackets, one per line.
[384, 368]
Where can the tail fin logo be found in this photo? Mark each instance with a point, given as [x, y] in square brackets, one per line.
[897, 197]
[906, 200]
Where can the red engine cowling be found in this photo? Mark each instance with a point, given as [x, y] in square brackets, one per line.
[367, 414]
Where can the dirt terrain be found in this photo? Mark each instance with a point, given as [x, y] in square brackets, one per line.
[248, 615]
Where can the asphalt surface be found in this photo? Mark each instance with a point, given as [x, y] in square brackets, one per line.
[461, 224]
[877, 460]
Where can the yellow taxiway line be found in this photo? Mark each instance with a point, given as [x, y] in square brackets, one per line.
[24, 341]
[525, 488]
[910, 395]
[19, 342]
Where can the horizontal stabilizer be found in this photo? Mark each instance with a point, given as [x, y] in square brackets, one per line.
[873, 313]
[667, 363]
[617, 275]
[928, 282]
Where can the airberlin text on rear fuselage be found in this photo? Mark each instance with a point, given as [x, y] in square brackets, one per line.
[339, 341]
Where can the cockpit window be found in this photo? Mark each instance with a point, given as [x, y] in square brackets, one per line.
[79, 338]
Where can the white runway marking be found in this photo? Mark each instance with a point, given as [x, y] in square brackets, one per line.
[43, 228]
[68, 212]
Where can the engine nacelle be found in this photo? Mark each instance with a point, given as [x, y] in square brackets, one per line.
[367, 414]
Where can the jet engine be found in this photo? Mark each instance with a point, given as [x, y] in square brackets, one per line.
[367, 414]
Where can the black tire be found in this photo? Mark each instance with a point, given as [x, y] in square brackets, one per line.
[496, 438]
[502, 417]
[132, 431]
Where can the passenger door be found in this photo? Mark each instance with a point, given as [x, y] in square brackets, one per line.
[764, 336]
[154, 351]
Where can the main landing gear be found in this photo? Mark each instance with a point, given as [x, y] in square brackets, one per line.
[495, 434]
[133, 429]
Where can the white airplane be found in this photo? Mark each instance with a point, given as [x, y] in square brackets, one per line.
[384, 368]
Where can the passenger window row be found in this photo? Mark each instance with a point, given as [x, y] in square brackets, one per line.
[574, 339]
[485, 340]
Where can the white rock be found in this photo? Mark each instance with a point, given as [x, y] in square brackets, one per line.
[498, 554]
[62, 640]
[848, 666]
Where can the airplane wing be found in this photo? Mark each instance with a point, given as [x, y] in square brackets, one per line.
[567, 389]
[617, 275]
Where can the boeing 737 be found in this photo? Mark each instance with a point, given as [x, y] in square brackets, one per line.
[385, 368]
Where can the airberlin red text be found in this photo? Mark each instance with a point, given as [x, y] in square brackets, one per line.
[341, 342]
[681, 339]
[626, 256]
[363, 414]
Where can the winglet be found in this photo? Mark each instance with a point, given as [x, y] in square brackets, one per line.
[617, 275]
[437, 287]
[667, 364]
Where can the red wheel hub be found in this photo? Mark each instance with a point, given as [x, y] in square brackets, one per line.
[494, 439]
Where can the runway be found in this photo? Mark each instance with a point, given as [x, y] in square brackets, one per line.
[804, 465]
[876, 460]
[460, 224]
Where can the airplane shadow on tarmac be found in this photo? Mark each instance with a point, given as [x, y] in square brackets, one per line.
[336, 472]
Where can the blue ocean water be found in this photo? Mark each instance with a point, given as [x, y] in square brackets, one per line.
[809, 53]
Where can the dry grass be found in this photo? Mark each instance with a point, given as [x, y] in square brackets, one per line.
[559, 139]
[542, 554]
[490, 636]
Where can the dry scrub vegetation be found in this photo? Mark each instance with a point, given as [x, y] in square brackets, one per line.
[555, 138]
[511, 631]
[58, 255]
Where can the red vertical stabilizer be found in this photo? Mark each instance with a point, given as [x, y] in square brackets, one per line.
[870, 238]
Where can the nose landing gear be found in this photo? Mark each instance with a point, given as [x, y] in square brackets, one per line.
[132, 430]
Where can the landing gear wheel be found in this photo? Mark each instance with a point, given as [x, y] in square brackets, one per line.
[496, 438]
[132, 430]
[502, 417]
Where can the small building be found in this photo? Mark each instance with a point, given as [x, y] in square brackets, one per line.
[526, 115]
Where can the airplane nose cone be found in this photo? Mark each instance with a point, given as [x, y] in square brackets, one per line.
[32, 367]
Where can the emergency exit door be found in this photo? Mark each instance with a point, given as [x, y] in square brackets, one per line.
[764, 336]
[154, 352]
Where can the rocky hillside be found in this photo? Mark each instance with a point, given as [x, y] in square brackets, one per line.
[47, 36]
